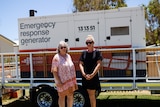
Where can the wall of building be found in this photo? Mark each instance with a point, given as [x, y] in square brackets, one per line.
[6, 45]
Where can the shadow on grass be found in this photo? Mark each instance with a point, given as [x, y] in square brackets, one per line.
[20, 103]
[102, 103]
[128, 103]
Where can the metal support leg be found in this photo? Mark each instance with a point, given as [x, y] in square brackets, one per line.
[0, 96]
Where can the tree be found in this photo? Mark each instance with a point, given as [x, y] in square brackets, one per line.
[91, 5]
[153, 20]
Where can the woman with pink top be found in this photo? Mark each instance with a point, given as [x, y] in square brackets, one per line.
[64, 74]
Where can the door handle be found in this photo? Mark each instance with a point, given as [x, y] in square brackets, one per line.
[108, 37]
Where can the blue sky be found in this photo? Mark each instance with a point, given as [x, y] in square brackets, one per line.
[11, 10]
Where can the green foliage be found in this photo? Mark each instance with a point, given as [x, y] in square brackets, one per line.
[92, 5]
[152, 22]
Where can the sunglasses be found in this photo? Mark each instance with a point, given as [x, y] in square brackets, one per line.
[89, 42]
[63, 47]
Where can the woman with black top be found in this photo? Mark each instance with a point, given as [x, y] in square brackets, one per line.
[90, 63]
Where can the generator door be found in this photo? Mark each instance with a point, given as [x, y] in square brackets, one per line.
[84, 28]
[118, 31]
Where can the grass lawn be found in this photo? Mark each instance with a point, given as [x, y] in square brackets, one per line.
[128, 99]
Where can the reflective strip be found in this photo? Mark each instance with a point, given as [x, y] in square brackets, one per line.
[17, 85]
[116, 84]
[148, 84]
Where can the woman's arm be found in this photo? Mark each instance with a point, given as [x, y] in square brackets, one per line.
[82, 68]
[55, 74]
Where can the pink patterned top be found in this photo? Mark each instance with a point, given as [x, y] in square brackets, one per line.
[66, 73]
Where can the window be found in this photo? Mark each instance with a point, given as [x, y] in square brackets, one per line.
[119, 31]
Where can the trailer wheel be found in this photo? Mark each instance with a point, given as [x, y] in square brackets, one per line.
[46, 97]
[81, 98]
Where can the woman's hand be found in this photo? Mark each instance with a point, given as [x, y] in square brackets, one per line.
[59, 84]
[84, 75]
[89, 76]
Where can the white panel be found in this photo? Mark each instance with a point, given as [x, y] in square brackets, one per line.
[84, 28]
[119, 39]
[42, 33]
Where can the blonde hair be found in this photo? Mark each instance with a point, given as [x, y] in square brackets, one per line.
[90, 37]
[63, 43]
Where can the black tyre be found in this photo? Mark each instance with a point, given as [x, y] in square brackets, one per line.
[81, 98]
[46, 97]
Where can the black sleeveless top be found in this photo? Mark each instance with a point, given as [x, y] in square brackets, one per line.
[89, 60]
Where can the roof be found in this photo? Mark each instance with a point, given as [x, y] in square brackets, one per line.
[1, 36]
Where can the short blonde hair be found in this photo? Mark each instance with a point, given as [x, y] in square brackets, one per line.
[61, 44]
[90, 38]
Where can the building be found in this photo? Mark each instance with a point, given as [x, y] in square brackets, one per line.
[6, 45]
